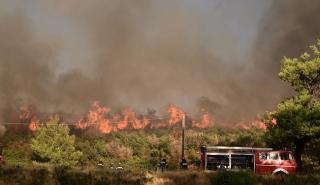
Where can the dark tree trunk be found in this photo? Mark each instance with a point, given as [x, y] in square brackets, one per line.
[297, 153]
[297, 156]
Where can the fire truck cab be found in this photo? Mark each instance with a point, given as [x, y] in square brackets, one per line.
[258, 160]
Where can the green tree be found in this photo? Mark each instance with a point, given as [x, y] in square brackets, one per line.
[53, 143]
[303, 73]
[296, 122]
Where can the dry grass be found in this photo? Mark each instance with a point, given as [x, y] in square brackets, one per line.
[179, 177]
[229, 178]
[39, 175]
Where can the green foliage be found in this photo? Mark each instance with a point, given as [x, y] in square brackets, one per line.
[63, 176]
[17, 152]
[53, 143]
[144, 149]
[99, 177]
[140, 150]
[298, 118]
[32, 176]
[193, 158]
[303, 73]
[92, 150]
[296, 122]
[313, 151]
[232, 178]
[137, 141]
[16, 156]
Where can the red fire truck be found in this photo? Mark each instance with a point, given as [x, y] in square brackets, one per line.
[258, 160]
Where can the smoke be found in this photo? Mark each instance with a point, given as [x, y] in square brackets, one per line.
[2, 130]
[146, 54]
[287, 29]
[25, 71]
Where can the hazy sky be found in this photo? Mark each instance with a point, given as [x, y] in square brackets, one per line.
[144, 54]
[224, 25]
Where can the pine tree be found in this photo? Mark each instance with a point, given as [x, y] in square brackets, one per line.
[296, 122]
[53, 143]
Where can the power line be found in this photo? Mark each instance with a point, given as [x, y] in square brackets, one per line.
[75, 122]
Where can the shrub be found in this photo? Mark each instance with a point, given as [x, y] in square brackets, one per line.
[53, 143]
[232, 178]
[120, 151]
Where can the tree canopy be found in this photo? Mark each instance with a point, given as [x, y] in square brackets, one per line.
[303, 73]
[53, 143]
[296, 122]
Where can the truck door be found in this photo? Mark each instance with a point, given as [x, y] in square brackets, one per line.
[267, 162]
[287, 162]
[274, 161]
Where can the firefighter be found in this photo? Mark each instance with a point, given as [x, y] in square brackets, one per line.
[184, 164]
[163, 165]
[100, 164]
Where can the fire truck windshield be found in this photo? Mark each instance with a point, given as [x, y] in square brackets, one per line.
[274, 155]
[286, 156]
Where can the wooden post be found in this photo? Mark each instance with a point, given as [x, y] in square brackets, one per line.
[182, 144]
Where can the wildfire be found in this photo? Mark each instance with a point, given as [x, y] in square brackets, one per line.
[27, 115]
[176, 115]
[103, 120]
[34, 124]
[205, 122]
[257, 123]
[131, 117]
[98, 118]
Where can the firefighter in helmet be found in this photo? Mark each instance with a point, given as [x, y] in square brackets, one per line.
[184, 164]
[163, 164]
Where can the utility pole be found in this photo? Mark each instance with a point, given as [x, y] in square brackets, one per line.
[183, 127]
[183, 163]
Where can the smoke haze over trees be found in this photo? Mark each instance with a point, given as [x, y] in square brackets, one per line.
[217, 55]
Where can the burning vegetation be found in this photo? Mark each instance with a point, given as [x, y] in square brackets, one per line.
[26, 115]
[104, 120]
[100, 118]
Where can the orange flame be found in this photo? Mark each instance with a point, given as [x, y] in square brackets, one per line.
[97, 118]
[27, 115]
[100, 118]
[34, 124]
[257, 123]
[130, 117]
[176, 115]
[206, 121]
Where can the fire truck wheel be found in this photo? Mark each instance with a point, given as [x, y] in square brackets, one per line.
[281, 176]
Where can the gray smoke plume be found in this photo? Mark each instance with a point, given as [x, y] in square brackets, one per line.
[2, 130]
[217, 55]
[287, 29]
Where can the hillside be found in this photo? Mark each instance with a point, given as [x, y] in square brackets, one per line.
[141, 149]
